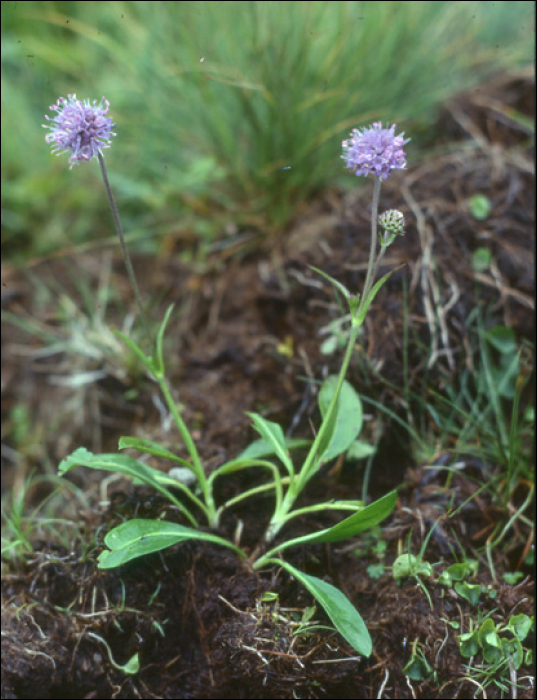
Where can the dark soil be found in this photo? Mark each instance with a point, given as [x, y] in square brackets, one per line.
[245, 336]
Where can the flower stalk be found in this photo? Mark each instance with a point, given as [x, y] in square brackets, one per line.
[314, 457]
[125, 250]
[83, 129]
[371, 267]
[197, 466]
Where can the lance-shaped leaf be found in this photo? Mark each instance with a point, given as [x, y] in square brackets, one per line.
[337, 285]
[138, 537]
[158, 362]
[345, 618]
[272, 434]
[259, 449]
[153, 448]
[140, 354]
[348, 416]
[364, 519]
[373, 293]
[128, 466]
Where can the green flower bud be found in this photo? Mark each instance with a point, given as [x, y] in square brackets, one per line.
[393, 221]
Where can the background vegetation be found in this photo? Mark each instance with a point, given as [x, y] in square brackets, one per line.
[226, 112]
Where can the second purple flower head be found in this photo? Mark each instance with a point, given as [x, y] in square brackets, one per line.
[375, 151]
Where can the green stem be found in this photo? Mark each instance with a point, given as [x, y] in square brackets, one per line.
[381, 254]
[246, 464]
[125, 250]
[369, 464]
[308, 468]
[311, 464]
[371, 266]
[244, 495]
[336, 505]
[159, 376]
[197, 466]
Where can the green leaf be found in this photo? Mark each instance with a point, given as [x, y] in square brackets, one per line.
[458, 572]
[128, 466]
[375, 571]
[159, 359]
[409, 565]
[503, 339]
[261, 448]
[325, 439]
[505, 376]
[119, 463]
[481, 259]
[140, 354]
[152, 448]
[520, 625]
[417, 668]
[344, 616]
[236, 465]
[490, 642]
[136, 538]
[130, 668]
[469, 591]
[348, 416]
[330, 345]
[373, 293]
[469, 643]
[360, 450]
[272, 434]
[512, 650]
[479, 206]
[340, 287]
[364, 519]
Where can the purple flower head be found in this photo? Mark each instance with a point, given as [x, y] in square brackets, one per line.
[79, 128]
[375, 151]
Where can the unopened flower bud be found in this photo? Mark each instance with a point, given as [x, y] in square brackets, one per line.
[393, 221]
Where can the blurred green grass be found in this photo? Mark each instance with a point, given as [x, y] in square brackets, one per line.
[225, 111]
